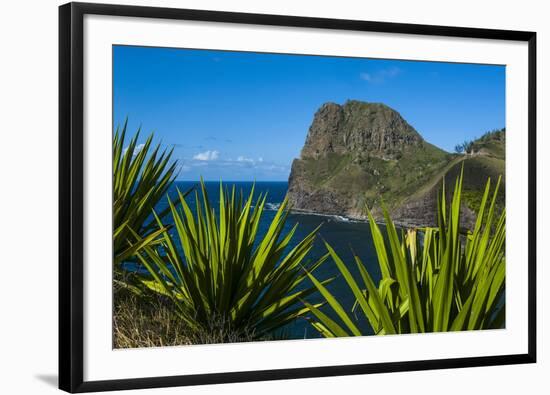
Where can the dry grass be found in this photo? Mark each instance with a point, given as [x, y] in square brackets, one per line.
[148, 321]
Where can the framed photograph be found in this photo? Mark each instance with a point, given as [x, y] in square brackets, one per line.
[250, 197]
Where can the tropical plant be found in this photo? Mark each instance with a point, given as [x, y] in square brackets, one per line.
[218, 268]
[140, 179]
[466, 147]
[432, 280]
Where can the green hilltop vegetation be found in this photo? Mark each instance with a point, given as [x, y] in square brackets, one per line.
[491, 144]
[360, 154]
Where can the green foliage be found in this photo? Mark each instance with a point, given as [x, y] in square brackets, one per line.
[467, 146]
[372, 177]
[219, 267]
[492, 142]
[433, 280]
[477, 169]
[141, 176]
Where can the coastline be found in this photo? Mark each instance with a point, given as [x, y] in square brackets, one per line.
[354, 219]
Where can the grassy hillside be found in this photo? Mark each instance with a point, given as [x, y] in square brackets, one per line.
[370, 179]
[365, 154]
[485, 161]
[415, 176]
[476, 171]
[491, 143]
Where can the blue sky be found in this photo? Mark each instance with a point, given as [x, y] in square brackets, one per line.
[243, 116]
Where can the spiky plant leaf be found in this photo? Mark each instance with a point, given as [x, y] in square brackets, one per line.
[433, 279]
[142, 175]
[218, 264]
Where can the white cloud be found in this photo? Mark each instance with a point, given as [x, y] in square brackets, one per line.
[380, 76]
[365, 76]
[260, 164]
[212, 161]
[250, 161]
[276, 168]
[245, 159]
[207, 155]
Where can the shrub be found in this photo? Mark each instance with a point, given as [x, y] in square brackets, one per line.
[141, 176]
[433, 279]
[218, 269]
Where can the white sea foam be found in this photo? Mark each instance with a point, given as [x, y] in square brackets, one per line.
[272, 206]
[331, 217]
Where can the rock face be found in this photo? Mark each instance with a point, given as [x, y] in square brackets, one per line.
[369, 128]
[360, 154]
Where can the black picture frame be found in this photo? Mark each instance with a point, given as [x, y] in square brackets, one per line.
[71, 224]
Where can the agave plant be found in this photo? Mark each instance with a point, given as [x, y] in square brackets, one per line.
[432, 280]
[217, 267]
[141, 177]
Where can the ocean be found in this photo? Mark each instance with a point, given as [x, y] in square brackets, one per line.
[342, 234]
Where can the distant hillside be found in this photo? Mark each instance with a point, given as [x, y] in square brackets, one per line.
[364, 153]
[486, 158]
[490, 144]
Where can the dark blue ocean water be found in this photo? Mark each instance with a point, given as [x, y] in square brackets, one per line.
[343, 235]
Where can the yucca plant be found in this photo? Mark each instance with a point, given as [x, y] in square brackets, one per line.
[218, 270]
[432, 279]
[141, 177]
